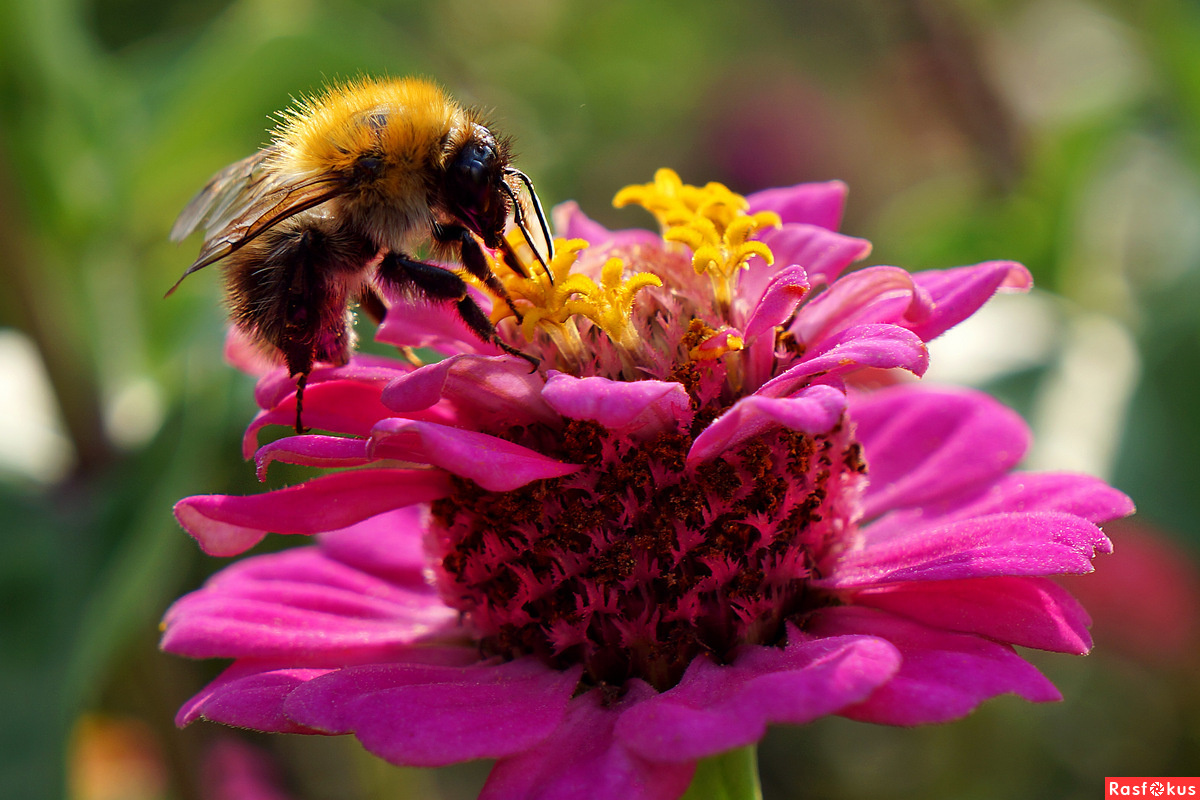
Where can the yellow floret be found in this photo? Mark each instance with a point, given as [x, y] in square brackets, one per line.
[712, 221]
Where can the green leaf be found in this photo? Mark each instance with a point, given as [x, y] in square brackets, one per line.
[729, 776]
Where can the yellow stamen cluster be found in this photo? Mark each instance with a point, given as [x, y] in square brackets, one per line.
[711, 220]
[552, 305]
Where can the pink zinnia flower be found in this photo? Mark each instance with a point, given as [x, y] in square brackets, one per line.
[682, 528]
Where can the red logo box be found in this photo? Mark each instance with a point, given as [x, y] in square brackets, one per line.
[1151, 787]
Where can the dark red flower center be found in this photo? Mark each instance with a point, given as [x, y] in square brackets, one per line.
[640, 563]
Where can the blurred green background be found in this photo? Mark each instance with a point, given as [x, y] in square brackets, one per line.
[1061, 133]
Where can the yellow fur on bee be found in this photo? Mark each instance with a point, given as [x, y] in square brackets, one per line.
[326, 133]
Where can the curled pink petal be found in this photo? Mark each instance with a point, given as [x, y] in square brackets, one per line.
[878, 346]
[787, 288]
[717, 708]
[432, 714]
[1031, 612]
[585, 760]
[495, 464]
[483, 391]
[641, 409]
[943, 675]
[226, 525]
[958, 293]
[312, 451]
[874, 294]
[815, 409]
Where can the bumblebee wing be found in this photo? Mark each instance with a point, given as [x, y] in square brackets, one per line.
[231, 187]
[244, 200]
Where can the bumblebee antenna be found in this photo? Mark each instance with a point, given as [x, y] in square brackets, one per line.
[541, 215]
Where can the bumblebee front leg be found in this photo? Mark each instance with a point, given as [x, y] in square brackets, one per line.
[472, 258]
[416, 278]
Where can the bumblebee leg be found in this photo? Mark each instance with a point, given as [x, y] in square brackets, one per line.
[288, 288]
[412, 277]
[301, 382]
[473, 259]
[372, 304]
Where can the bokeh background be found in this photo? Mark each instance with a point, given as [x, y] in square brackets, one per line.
[1061, 133]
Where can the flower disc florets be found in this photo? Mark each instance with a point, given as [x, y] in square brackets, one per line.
[637, 564]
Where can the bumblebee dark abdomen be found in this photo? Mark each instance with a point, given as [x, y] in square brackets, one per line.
[291, 288]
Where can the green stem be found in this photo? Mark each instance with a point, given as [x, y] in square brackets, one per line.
[728, 776]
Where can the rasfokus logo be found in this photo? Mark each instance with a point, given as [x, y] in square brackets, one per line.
[1151, 787]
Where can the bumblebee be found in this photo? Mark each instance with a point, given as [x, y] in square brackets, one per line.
[355, 184]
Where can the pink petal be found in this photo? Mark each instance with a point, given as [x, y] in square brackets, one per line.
[922, 444]
[874, 294]
[814, 410]
[490, 392]
[958, 293]
[943, 675]
[1029, 543]
[1031, 612]
[822, 253]
[585, 760]
[233, 769]
[244, 354]
[1081, 495]
[717, 708]
[312, 451]
[300, 605]
[347, 407]
[249, 694]
[495, 464]
[437, 326]
[571, 223]
[278, 386]
[764, 307]
[640, 409]
[808, 203]
[878, 346]
[389, 545]
[431, 715]
[777, 302]
[226, 525]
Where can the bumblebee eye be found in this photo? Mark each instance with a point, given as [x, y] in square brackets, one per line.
[473, 167]
[472, 190]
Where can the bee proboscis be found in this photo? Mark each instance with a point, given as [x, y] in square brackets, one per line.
[355, 183]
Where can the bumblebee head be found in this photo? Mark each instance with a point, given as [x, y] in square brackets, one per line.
[474, 188]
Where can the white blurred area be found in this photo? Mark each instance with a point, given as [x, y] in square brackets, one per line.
[32, 442]
[1092, 369]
